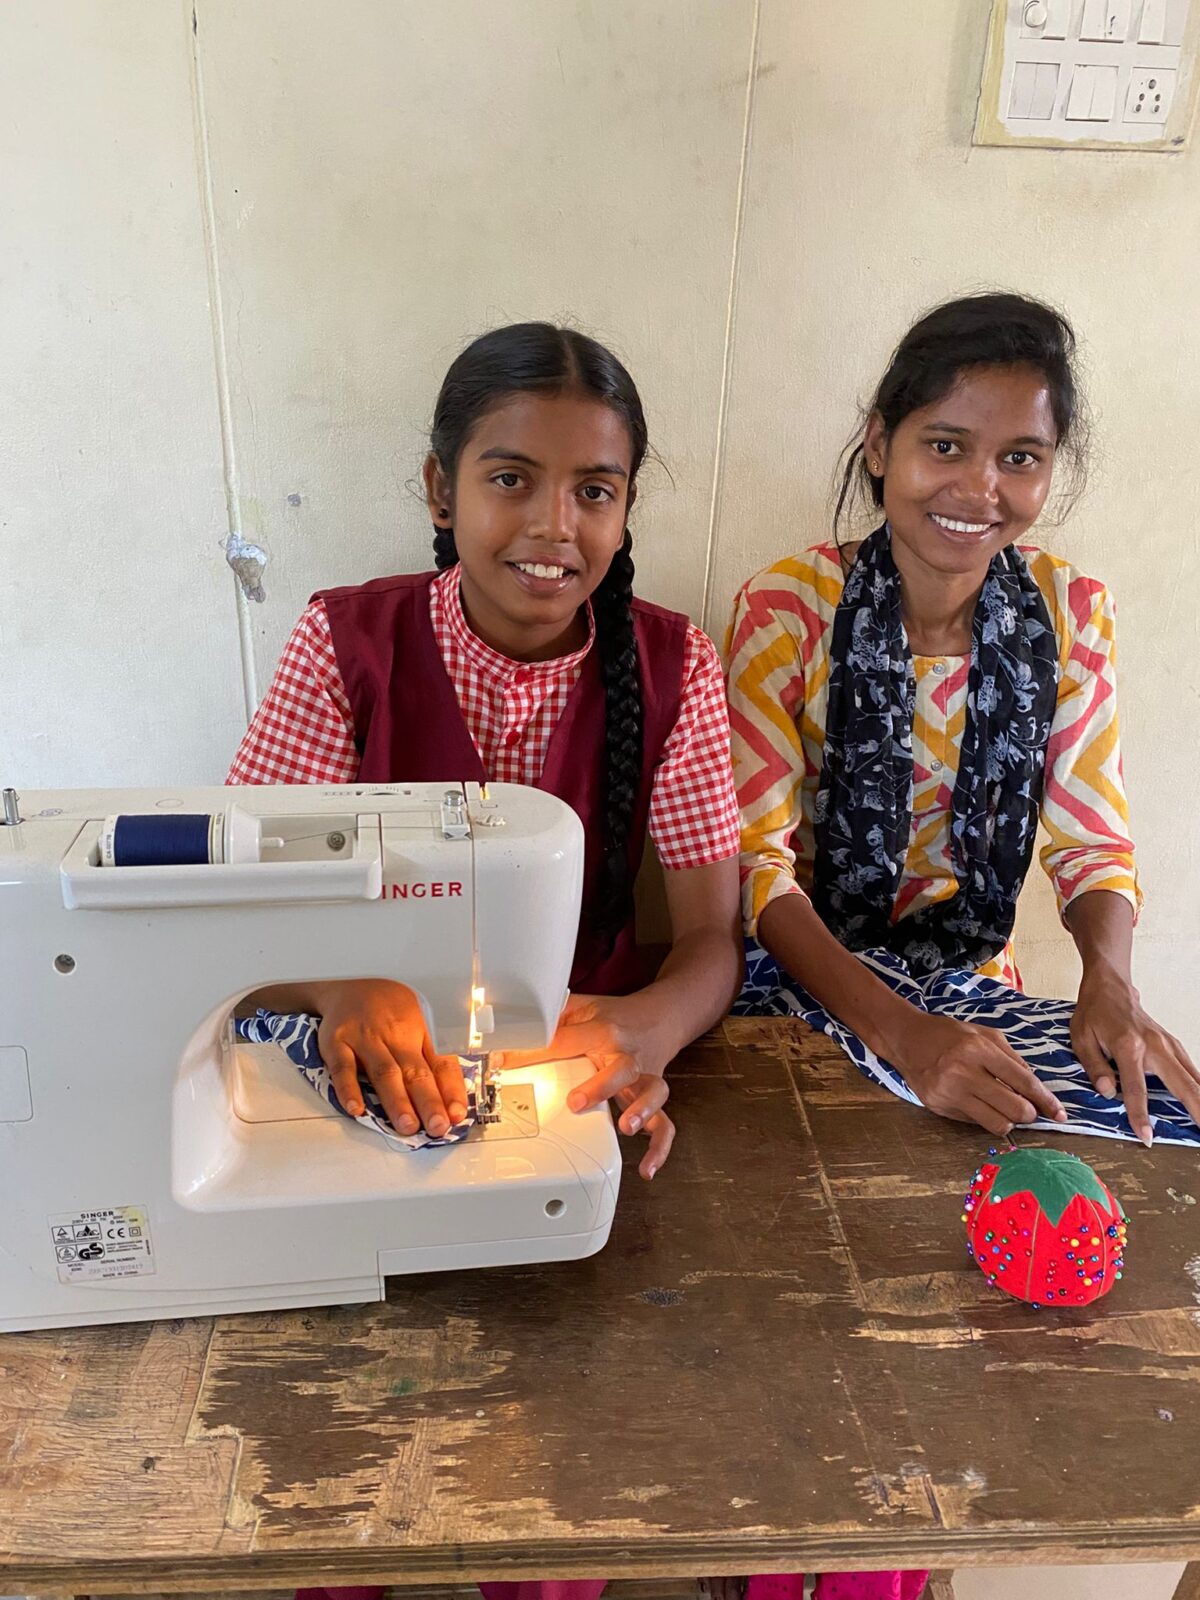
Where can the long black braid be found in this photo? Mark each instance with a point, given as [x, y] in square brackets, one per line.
[445, 551]
[538, 356]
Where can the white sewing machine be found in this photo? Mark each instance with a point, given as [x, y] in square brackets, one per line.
[151, 1165]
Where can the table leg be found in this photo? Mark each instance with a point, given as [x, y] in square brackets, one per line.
[1188, 1587]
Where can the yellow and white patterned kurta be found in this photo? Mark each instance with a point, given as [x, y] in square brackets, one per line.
[778, 654]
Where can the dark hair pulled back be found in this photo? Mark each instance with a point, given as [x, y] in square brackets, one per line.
[541, 358]
[979, 330]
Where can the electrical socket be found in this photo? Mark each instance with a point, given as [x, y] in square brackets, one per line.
[1151, 90]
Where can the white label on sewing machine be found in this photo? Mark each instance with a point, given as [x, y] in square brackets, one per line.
[113, 1242]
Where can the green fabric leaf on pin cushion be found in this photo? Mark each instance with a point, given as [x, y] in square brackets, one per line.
[1052, 1177]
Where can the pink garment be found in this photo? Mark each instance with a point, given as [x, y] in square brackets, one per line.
[368, 1592]
[840, 1586]
[784, 1586]
[565, 1589]
[574, 1589]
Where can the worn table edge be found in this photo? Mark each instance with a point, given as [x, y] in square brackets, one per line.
[577, 1558]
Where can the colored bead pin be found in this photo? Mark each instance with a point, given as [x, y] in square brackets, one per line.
[1056, 1203]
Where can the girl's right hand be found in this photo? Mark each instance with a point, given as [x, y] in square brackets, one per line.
[377, 1026]
[970, 1074]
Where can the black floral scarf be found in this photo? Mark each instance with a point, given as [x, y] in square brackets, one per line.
[863, 815]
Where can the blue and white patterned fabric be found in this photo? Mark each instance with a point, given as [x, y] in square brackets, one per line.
[296, 1036]
[862, 819]
[1038, 1030]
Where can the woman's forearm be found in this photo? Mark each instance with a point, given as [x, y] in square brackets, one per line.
[790, 929]
[1101, 924]
[695, 987]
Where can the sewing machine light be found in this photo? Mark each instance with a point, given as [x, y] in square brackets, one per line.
[482, 1017]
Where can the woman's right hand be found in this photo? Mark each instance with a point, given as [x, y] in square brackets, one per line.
[377, 1026]
[970, 1074]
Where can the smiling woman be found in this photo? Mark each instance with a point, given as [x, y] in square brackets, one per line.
[905, 711]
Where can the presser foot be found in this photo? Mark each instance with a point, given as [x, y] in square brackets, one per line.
[487, 1095]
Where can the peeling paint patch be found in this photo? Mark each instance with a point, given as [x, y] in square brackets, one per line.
[661, 1297]
[248, 562]
[652, 1491]
[934, 1338]
[1192, 1268]
[1182, 1199]
[924, 1294]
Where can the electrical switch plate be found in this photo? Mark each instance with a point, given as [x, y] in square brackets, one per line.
[1091, 74]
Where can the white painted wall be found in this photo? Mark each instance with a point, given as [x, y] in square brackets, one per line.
[118, 639]
[390, 179]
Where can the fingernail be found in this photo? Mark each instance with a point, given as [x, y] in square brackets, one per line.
[1060, 1115]
[1146, 1137]
[409, 1124]
[651, 1171]
[355, 1108]
[1107, 1087]
[438, 1126]
[576, 1101]
[634, 1124]
[457, 1112]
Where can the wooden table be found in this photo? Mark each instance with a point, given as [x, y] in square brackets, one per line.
[782, 1361]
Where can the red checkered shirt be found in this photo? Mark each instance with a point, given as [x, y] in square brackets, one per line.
[303, 732]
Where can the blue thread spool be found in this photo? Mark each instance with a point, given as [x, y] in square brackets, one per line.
[166, 840]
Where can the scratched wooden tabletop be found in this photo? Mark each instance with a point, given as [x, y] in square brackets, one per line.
[783, 1360]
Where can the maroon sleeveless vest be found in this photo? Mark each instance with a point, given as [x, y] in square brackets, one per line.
[409, 729]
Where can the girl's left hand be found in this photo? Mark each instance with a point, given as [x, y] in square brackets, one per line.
[611, 1031]
[1111, 1028]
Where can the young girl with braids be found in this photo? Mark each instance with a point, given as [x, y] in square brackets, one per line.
[527, 658]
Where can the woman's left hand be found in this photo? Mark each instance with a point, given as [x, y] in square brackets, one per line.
[1111, 1029]
[612, 1031]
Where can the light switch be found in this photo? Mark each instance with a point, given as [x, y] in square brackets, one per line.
[1020, 96]
[1153, 25]
[1045, 91]
[1104, 94]
[1045, 19]
[1034, 90]
[1093, 95]
[1106, 21]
